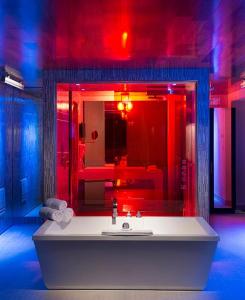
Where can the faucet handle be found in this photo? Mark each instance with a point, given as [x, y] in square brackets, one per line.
[138, 215]
[125, 225]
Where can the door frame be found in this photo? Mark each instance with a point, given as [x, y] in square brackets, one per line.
[225, 210]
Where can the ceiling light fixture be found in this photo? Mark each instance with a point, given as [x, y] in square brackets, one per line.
[125, 105]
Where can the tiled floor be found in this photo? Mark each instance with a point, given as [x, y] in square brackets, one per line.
[228, 269]
[20, 275]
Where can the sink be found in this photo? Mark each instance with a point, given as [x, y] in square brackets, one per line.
[127, 232]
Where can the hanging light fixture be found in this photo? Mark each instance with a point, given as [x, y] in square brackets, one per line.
[120, 106]
[129, 106]
[125, 105]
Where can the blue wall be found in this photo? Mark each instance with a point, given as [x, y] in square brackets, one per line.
[6, 212]
[20, 154]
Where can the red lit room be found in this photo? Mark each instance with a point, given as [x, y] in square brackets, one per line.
[131, 141]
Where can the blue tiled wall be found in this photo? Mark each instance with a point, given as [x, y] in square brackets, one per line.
[20, 154]
[6, 212]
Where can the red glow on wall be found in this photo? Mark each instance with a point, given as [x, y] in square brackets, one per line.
[124, 39]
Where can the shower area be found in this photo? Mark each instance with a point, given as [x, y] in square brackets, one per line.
[135, 142]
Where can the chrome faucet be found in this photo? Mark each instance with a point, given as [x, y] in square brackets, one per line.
[138, 215]
[114, 211]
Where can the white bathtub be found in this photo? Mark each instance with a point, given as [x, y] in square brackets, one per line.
[177, 256]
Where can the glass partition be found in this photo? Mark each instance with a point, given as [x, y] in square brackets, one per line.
[134, 142]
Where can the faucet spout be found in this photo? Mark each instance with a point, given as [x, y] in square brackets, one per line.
[114, 211]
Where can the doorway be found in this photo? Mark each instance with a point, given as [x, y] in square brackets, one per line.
[222, 151]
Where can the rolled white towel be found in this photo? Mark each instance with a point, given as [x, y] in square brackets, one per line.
[51, 214]
[55, 203]
[67, 214]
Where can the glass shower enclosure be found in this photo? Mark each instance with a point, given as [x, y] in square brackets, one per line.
[131, 141]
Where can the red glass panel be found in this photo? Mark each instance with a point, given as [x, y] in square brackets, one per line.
[63, 153]
[143, 156]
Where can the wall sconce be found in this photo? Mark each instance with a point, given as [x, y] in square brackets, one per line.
[11, 77]
[125, 105]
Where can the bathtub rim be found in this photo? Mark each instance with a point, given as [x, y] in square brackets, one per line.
[211, 235]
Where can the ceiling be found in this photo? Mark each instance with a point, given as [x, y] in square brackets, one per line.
[132, 33]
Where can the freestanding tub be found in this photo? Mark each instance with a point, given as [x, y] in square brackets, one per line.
[177, 256]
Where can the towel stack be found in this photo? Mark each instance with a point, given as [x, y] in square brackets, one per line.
[56, 210]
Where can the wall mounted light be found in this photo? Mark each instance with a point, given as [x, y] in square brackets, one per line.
[11, 77]
[14, 83]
